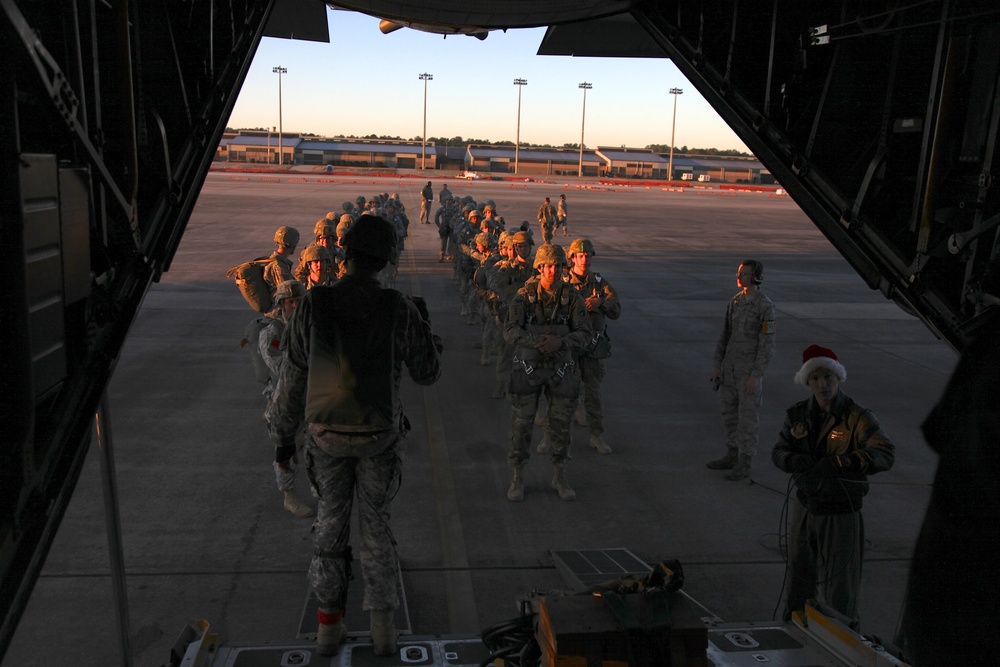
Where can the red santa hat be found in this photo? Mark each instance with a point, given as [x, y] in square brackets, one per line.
[816, 356]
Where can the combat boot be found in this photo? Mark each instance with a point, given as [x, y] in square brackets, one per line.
[296, 506]
[440, 257]
[331, 632]
[725, 463]
[384, 634]
[484, 360]
[597, 442]
[543, 445]
[741, 470]
[515, 493]
[560, 484]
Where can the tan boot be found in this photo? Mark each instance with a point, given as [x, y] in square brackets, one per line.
[330, 636]
[298, 508]
[515, 493]
[741, 470]
[384, 634]
[725, 463]
[560, 484]
[597, 442]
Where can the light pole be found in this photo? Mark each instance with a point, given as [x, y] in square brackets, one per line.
[583, 122]
[425, 77]
[670, 168]
[520, 83]
[279, 70]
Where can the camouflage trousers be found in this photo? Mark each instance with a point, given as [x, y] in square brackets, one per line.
[425, 212]
[548, 231]
[505, 356]
[740, 411]
[336, 480]
[491, 331]
[522, 421]
[593, 374]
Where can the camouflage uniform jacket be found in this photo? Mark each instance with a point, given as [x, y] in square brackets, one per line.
[562, 306]
[547, 214]
[413, 344]
[848, 431]
[593, 284]
[278, 271]
[507, 277]
[747, 337]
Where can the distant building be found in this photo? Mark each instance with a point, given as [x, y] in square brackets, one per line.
[261, 147]
[626, 162]
[531, 161]
[370, 153]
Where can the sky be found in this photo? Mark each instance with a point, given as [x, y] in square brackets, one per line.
[364, 82]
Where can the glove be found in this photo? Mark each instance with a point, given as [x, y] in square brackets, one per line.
[828, 466]
[799, 463]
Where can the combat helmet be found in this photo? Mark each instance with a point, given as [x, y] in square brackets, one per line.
[522, 237]
[581, 245]
[548, 253]
[289, 289]
[372, 236]
[347, 207]
[322, 222]
[316, 253]
[325, 231]
[484, 239]
[286, 237]
[504, 239]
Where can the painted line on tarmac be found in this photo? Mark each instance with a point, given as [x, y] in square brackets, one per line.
[463, 617]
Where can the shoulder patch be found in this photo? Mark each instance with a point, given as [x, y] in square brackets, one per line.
[767, 327]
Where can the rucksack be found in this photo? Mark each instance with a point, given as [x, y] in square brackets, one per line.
[250, 279]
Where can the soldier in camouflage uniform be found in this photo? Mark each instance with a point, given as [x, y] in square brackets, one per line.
[507, 277]
[744, 349]
[547, 219]
[318, 262]
[287, 299]
[426, 199]
[280, 270]
[602, 305]
[345, 350]
[547, 328]
[562, 215]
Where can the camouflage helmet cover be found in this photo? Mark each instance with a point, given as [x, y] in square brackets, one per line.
[347, 206]
[504, 239]
[289, 289]
[325, 231]
[372, 236]
[321, 223]
[483, 239]
[316, 253]
[548, 253]
[286, 237]
[581, 245]
[521, 237]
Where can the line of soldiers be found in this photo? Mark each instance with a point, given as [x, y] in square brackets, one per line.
[545, 322]
[321, 262]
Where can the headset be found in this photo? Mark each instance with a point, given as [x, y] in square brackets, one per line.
[758, 270]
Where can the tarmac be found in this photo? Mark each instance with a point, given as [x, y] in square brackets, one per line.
[205, 536]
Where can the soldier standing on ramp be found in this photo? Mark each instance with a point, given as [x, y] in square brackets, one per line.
[345, 349]
[745, 347]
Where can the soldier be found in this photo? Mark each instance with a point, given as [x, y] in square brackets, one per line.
[561, 217]
[442, 219]
[280, 270]
[547, 219]
[744, 349]
[325, 236]
[444, 193]
[426, 198]
[830, 445]
[345, 350]
[602, 304]
[318, 262]
[269, 346]
[508, 277]
[547, 327]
